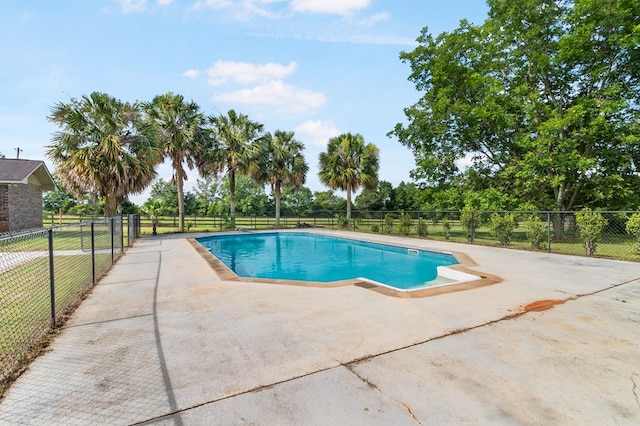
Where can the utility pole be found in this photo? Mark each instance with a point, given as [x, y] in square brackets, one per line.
[18, 150]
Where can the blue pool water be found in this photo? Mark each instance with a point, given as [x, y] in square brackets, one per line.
[312, 257]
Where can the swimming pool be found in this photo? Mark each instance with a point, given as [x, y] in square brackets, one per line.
[303, 256]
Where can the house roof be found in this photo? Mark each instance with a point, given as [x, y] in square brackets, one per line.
[19, 171]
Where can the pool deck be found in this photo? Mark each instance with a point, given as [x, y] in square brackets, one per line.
[163, 340]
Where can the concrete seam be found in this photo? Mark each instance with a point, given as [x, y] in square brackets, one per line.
[373, 386]
[107, 321]
[634, 388]
[349, 364]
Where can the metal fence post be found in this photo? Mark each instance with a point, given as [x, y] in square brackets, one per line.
[472, 231]
[52, 281]
[121, 234]
[111, 226]
[93, 253]
[548, 232]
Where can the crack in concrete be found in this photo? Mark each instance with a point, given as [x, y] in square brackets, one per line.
[634, 388]
[356, 361]
[373, 386]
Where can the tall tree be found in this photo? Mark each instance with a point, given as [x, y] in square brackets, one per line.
[348, 164]
[104, 148]
[182, 137]
[207, 194]
[376, 199]
[234, 138]
[282, 163]
[543, 97]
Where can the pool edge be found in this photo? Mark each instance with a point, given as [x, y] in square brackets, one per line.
[464, 266]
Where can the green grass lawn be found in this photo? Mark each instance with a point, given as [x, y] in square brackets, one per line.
[25, 303]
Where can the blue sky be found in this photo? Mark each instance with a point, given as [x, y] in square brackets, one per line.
[317, 67]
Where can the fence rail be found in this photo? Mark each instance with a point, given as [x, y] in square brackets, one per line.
[45, 273]
[615, 236]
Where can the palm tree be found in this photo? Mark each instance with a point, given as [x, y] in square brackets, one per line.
[104, 147]
[234, 138]
[182, 137]
[348, 164]
[282, 163]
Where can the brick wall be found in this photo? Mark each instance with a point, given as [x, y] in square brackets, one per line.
[25, 207]
[4, 208]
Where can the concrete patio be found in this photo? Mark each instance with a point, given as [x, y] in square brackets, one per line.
[163, 340]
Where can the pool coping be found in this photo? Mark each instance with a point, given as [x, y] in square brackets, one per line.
[465, 266]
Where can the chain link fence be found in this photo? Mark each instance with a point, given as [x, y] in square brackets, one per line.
[44, 275]
[614, 235]
[607, 234]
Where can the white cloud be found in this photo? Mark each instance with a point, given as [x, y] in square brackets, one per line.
[241, 10]
[213, 4]
[332, 7]
[246, 73]
[316, 132]
[373, 19]
[286, 99]
[138, 6]
[131, 6]
[191, 73]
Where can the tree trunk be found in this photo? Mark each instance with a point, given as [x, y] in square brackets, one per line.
[110, 205]
[232, 198]
[277, 189]
[349, 202]
[180, 188]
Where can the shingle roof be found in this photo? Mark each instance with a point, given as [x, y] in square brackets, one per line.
[19, 171]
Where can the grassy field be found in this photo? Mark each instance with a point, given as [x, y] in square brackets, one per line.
[618, 245]
[25, 302]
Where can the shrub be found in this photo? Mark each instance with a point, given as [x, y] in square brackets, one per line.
[388, 223]
[590, 225]
[406, 223]
[502, 227]
[446, 228]
[536, 231]
[633, 228]
[468, 220]
[423, 228]
[342, 221]
[375, 228]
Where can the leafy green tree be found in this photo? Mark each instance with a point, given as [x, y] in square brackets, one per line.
[190, 203]
[348, 164]
[406, 196]
[297, 202]
[182, 138]
[251, 199]
[129, 207]
[207, 192]
[104, 148]
[1, 155]
[166, 196]
[328, 200]
[538, 116]
[60, 199]
[282, 162]
[234, 150]
[375, 199]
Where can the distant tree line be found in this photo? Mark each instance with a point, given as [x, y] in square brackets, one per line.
[107, 149]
